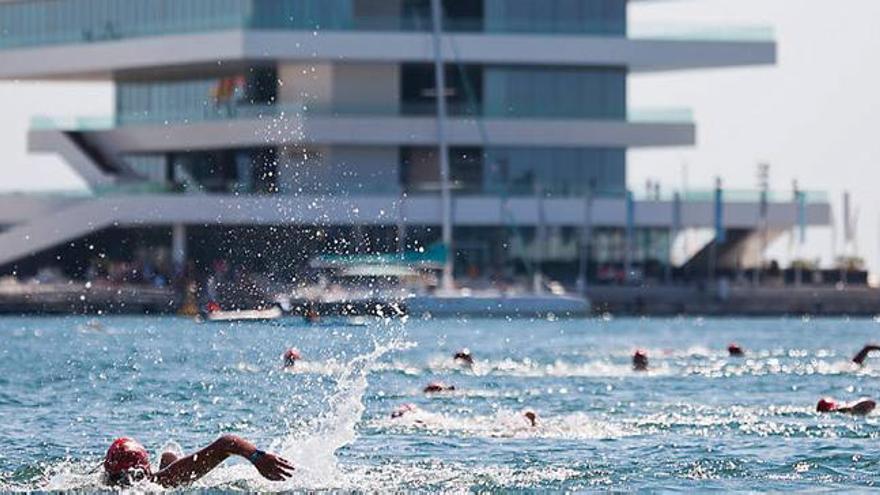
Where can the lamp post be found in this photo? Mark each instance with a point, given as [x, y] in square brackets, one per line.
[447, 281]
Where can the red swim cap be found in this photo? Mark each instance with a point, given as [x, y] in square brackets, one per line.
[126, 454]
[826, 405]
[291, 356]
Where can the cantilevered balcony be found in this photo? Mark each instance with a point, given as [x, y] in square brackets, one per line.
[275, 125]
[58, 22]
[58, 220]
[91, 38]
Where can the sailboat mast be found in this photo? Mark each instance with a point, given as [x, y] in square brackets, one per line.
[445, 190]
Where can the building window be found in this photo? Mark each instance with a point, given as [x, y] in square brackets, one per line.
[243, 171]
[248, 93]
[558, 172]
[420, 169]
[598, 93]
[605, 17]
[464, 89]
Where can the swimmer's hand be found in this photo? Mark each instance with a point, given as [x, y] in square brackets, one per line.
[272, 467]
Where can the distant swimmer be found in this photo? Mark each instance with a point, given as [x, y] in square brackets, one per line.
[734, 350]
[438, 387]
[128, 462]
[640, 360]
[311, 315]
[291, 356]
[859, 408]
[531, 417]
[403, 409]
[859, 358]
[464, 358]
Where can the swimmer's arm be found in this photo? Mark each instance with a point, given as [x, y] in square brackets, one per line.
[860, 408]
[192, 467]
[863, 354]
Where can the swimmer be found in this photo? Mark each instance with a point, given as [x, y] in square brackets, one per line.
[640, 360]
[859, 358]
[437, 387]
[291, 356]
[734, 350]
[403, 410]
[464, 358]
[859, 408]
[127, 461]
[311, 315]
[531, 417]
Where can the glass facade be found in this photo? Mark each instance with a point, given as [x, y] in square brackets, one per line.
[464, 89]
[420, 172]
[472, 90]
[555, 92]
[41, 22]
[38, 22]
[151, 168]
[509, 92]
[606, 17]
[509, 251]
[245, 94]
[603, 17]
[224, 171]
[556, 172]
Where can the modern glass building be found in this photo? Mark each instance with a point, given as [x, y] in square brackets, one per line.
[239, 122]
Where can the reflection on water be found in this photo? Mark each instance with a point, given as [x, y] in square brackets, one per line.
[699, 419]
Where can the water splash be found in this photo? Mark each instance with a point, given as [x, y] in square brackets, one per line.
[314, 450]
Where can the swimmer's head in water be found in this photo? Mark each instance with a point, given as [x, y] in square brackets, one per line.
[291, 356]
[435, 387]
[464, 356]
[826, 405]
[402, 410]
[640, 360]
[126, 461]
[531, 416]
[735, 350]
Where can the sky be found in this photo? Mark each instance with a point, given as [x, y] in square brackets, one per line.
[813, 117]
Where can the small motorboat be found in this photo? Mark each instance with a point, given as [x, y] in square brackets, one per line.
[267, 314]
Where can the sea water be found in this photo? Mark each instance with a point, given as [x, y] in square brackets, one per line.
[697, 420]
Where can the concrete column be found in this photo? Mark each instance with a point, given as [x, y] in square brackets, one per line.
[178, 246]
[401, 224]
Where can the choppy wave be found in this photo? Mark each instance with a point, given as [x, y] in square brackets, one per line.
[525, 368]
[708, 365]
[506, 424]
[698, 420]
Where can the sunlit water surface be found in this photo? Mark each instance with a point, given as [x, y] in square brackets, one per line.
[698, 420]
